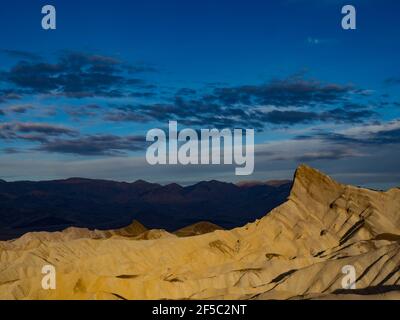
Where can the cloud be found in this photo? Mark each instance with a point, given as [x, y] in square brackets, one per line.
[140, 68]
[81, 75]
[392, 81]
[330, 154]
[290, 92]
[367, 135]
[197, 112]
[33, 131]
[346, 116]
[96, 145]
[242, 106]
[290, 117]
[186, 92]
[188, 112]
[303, 150]
[19, 108]
[335, 115]
[9, 94]
[60, 139]
[77, 112]
[275, 160]
[142, 94]
[76, 75]
[11, 150]
[353, 106]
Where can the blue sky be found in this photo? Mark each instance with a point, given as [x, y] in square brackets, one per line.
[77, 101]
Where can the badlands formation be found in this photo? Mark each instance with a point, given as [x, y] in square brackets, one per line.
[297, 251]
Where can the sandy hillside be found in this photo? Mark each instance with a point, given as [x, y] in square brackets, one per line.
[297, 251]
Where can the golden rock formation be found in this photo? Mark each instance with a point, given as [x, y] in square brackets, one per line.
[297, 251]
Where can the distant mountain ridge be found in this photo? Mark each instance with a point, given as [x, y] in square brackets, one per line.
[27, 206]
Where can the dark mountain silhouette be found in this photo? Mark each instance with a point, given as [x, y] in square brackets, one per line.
[55, 205]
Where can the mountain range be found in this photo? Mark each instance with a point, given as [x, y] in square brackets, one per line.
[100, 204]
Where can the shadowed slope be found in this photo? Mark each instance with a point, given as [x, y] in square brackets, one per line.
[197, 229]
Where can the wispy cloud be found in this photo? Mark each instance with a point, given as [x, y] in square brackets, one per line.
[96, 145]
[76, 75]
[33, 131]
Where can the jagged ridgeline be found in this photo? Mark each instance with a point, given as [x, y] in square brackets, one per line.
[296, 251]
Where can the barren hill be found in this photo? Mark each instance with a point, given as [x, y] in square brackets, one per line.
[297, 251]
